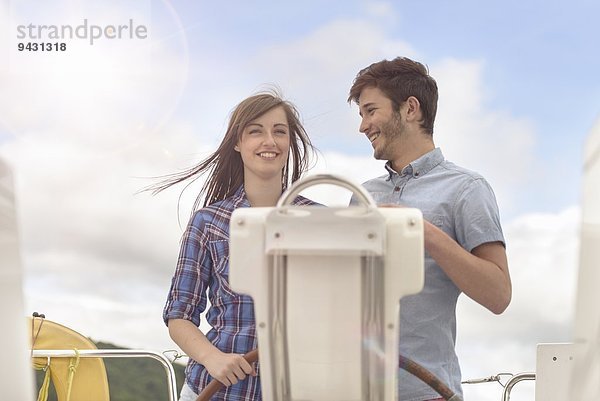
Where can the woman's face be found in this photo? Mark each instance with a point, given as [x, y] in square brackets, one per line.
[264, 146]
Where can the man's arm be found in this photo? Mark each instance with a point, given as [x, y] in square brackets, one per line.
[481, 274]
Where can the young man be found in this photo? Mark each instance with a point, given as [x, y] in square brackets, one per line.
[464, 245]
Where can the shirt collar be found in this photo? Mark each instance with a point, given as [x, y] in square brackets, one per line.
[420, 166]
[239, 198]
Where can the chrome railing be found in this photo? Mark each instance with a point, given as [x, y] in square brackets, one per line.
[510, 383]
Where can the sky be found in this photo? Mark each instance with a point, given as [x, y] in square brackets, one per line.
[85, 129]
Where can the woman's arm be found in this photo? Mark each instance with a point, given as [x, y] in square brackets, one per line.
[226, 368]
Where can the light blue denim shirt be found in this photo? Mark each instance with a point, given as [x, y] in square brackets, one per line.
[463, 205]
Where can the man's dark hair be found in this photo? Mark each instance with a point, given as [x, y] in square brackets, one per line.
[398, 80]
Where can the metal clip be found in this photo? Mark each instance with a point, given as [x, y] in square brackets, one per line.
[173, 355]
[495, 378]
[45, 368]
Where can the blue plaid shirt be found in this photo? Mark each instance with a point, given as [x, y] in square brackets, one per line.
[204, 264]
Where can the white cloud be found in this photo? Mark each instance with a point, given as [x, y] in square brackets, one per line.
[96, 254]
[380, 9]
[492, 142]
[107, 97]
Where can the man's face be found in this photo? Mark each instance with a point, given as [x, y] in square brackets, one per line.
[381, 124]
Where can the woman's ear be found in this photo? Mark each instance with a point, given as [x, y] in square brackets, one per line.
[236, 148]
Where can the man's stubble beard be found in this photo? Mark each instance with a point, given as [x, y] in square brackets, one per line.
[392, 131]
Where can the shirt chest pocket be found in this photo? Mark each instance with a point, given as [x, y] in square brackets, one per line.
[220, 255]
[436, 219]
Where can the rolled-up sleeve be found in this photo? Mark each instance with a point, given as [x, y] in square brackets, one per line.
[187, 295]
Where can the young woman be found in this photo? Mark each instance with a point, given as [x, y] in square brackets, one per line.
[264, 149]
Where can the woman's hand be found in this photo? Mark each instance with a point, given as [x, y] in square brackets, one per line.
[227, 368]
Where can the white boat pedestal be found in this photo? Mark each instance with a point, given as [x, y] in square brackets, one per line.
[326, 285]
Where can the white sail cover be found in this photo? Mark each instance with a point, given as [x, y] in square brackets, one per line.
[16, 379]
[585, 379]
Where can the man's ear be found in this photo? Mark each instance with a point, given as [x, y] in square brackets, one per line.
[413, 108]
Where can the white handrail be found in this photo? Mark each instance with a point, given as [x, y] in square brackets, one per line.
[333, 179]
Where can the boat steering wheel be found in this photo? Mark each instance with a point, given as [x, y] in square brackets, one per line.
[404, 363]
